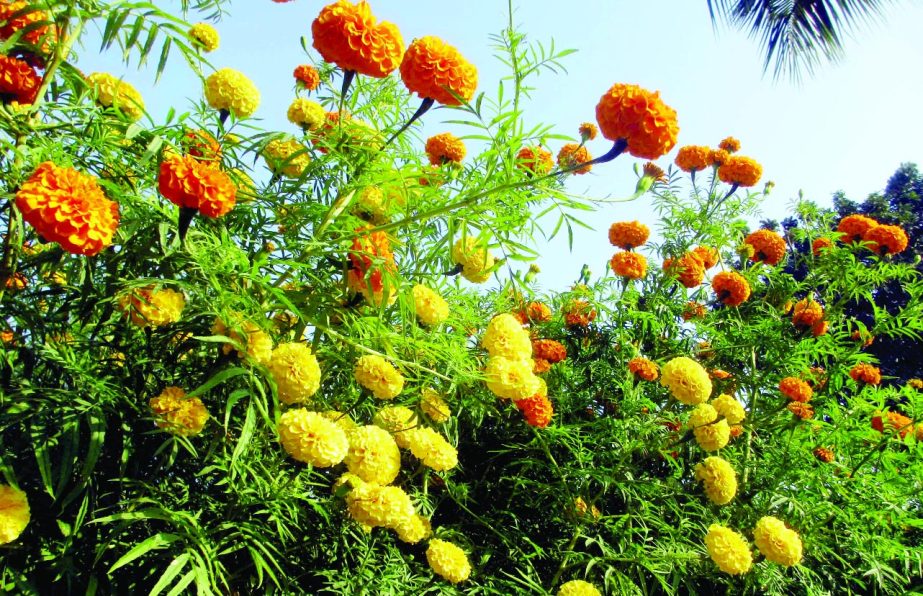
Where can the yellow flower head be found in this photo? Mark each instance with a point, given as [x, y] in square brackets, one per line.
[287, 157]
[728, 549]
[511, 379]
[311, 438]
[476, 262]
[505, 337]
[712, 437]
[205, 36]
[719, 479]
[341, 419]
[378, 376]
[14, 513]
[379, 506]
[373, 455]
[432, 449]
[296, 372]
[415, 529]
[150, 307]
[179, 414]
[687, 380]
[729, 408]
[777, 543]
[114, 93]
[434, 406]
[448, 560]
[702, 414]
[578, 587]
[257, 343]
[372, 205]
[397, 420]
[230, 90]
[307, 114]
[431, 308]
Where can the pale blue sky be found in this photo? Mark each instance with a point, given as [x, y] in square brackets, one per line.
[848, 127]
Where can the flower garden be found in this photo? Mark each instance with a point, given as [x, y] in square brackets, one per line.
[238, 360]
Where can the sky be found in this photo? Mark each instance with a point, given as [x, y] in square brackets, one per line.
[848, 127]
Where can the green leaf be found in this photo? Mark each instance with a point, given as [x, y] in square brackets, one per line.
[172, 570]
[157, 541]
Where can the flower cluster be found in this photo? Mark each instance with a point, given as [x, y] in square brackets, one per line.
[378, 376]
[579, 313]
[177, 413]
[296, 372]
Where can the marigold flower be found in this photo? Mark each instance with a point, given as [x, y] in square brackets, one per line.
[740, 170]
[823, 454]
[540, 366]
[768, 246]
[397, 420]
[150, 307]
[370, 259]
[231, 91]
[287, 157]
[296, 372]
[718, 478]
[112, 92]
[640, 118]
[189, 183]
[445, 148]
[433, 69]
[379, 506]
[572, 155]
[720, 374]
[736, 430]
[820, 245]
[652, 170]
[578, 587]
[448, 560]
[537, 160]
[796, 389]
[820, 328]
[537, 410]
[630, 265]
[688, 269]
[21, 15]
[886, 240]
[202, 145]
[731, 288]
[431, 448]
[581, 508]
[628, 234]
[414, 529]
[709, 256]
[378, 376]
[915, 384]
[178, 414]
[373, 454]
[506, 337]
[777, 543]
[687, 380]
[68, 207]
[14, 513]
[728, 549]
[693, 310]
[712, 437]
[431, 308]
[587, 131]
[511, 379]
[801, 410]
[729, 144]
[865, 373]
[693, 158]
[257, 343]
[854, 227]
[717, 157]
[579, 313]
[807, 312]
[18, 81]
[703, 414]
[549, 349]
[896, 422]
[536, 312]
[475, 260]
[728, 407]
[434, 406]
[349, 36]
[307, 76]
[643, 368]
[372, 205]
[205, 36]
[307, 114]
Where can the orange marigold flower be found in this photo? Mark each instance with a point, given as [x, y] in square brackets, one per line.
[717, 157]
[537, 410]
[369, 258]
[68, 207]
[579, 313]
[709, 256]
[307, 76]
[865, 373]
[736, 430]
[28, 17]
[819, 245]
[896, 422]
[730, 144]
[693, 310]
[768, 246]
[801, 410]
[820, 328]
[537, 160]
[540, 366]
[688, 269]
[739, 170]
[731, 288]
[349, 36]
[630, 265]
[433, 69]
[796, 389]
[886, 240]
[191, 184]
[202, 145]
[853, 227]
[864, 336]
[588, 131]
[693, 158]
[643, 368]
[823, 454]
[549, 349]
[445, 148]
[537, 312]
[652, 170]
[807, 312]
[719, 374]
[628, 234]
[572, 155]
[640, 118]
[18, 81]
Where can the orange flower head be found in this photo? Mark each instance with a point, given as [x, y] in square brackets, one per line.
[630, 265]
[445, 148]
[369, 257]
[540, 366]
[537, 312]
[854, 227]
[643, 368]
[572, 155]
[729, 144]
[202, 145]
[68, 207]
[537, 160]
[306, 76]
[688, 269]
[537, 410]
[652, 170]
[41, 31]
[896, 422]
[628, 234]
[433, 69]
[192, 184]
[588, 131]
[349, 36]
[639, 117]
[796, 389]
[579, 313]
[693, 310]
[820, 245]
[719, 374]
[18, 81]
[768, 246]
[820, 328]
[886, 240]
[740, 170]
[731, 288]
[549, 349]
[693, 158]
[807, 312]
[709, 256]
[865, 373]
[823, 454]
[801, 410]
[717, 157]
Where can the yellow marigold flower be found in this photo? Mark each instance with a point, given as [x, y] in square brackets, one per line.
[434, 406]
[430, 307]
[712, 437]
[777, 543]
[150, 307]
[378, 376]
[445, 148]
[729, 408]
[311, 438]
[205, 36]
[345, 483]
[639, 117]
[372, 205]
[341, 419]
[433, 69]
[432, 449]
[307, 114]
[740, 170]
[179, 414]
[628, 234]
[693, 158]
[630, 265]
[578, 587]
[702, 414]
[687, 380]
[506, 337]
[728, 549]
[588, 131]
[397, 420]
[379, 506]
[257, 343]
[719, 479]
[14, 513]
[373, 455]
[286, 156]
[114, 93]
[296, 372]
[511, 379]
[476, 262]
[414, 529]
[231, 91]
[448, 560]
